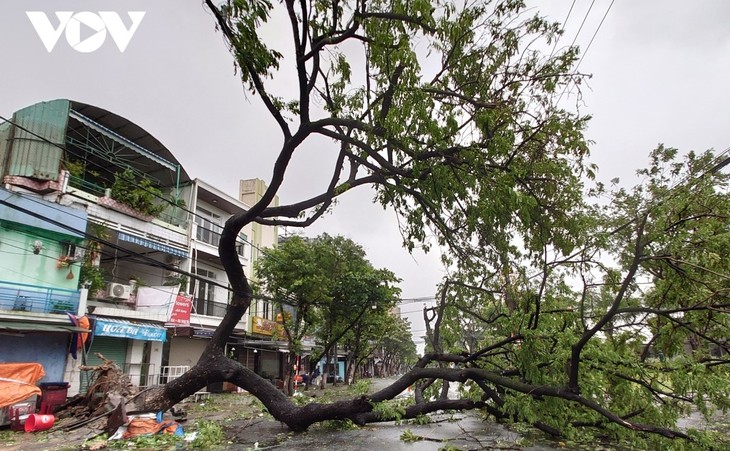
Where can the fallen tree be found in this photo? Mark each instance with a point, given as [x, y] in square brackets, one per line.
[450, 113]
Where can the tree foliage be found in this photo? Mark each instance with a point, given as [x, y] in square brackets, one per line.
[334, 290]
[449, 110]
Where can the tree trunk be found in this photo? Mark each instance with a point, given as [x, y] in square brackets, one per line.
[289, 372]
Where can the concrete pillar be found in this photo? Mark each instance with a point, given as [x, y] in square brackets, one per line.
[135, 357]
[155, 361]
[72, 375]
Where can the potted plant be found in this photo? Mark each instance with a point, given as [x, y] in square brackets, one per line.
[64, 261]
[92, 277]
[138, 196]
[179, 279]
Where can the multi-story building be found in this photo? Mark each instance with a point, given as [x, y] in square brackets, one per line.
[129, 227]
[37, 285]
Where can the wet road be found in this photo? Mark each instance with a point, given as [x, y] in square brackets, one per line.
[462, 430]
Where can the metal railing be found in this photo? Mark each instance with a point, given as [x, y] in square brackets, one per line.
[85, 185]
[141, 374]
[207, 235]
[211, 237]
[170, 373]
[21, 297]
[209, 308]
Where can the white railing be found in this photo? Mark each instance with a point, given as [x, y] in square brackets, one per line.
[170, 373]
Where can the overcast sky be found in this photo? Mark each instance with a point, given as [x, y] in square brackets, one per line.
[660, 74]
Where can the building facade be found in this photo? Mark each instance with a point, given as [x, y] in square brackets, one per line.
[137, 256]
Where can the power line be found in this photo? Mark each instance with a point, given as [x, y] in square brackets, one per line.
[575, 71]
[106, 254]
[562, 29]
[145, 259]
[83, 233]
[193, 214]
[582, 23]
[412, 300]
[594, 34]
[285, 297]
[164, 199]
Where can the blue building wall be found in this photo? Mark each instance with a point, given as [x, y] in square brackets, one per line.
[47, 349]
[73, 218]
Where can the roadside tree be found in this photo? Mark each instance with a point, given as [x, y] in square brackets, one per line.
[332, 289]
[449, 111]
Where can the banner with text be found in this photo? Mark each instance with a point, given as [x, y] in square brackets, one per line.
[180, 314]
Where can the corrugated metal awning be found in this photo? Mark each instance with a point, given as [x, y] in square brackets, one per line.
[153, 245]
[21, 326]
[122, 140]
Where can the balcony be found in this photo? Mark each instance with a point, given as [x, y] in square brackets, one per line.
[213, 238]
[19, 297]
[209, 308]
[208, 236]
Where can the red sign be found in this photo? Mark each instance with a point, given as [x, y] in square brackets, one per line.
[180, 315]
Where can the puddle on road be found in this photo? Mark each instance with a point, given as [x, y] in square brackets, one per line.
[465, 431]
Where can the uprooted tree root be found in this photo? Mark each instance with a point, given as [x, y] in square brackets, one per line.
[107, 388]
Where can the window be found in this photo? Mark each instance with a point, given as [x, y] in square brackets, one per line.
[204, 292]
[70, 251]
[241, 245]
[208, 227]
[262, 308]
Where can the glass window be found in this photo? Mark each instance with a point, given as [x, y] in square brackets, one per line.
[208, 227]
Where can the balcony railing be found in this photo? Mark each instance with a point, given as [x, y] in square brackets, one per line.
[213, 238]
[85, 185]
[174, 215]
[209, 308]
[207, 236]
[20, 297]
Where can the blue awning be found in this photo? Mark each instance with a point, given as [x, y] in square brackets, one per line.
[119, 328]
[149, 244]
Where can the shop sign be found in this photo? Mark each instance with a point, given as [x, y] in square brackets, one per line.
[180, 314]
[265, 326]
[129, 330]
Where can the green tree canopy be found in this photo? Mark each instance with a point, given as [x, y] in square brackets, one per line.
[332, 287]
[450, 111]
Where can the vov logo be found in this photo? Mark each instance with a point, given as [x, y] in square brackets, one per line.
[94, 26]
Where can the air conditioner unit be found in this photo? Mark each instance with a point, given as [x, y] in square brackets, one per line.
[118, 290]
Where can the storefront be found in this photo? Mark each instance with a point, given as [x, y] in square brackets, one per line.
[46, 344]
[136, 347]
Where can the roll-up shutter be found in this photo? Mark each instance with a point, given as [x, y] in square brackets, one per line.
[269, 364]
[111, 348]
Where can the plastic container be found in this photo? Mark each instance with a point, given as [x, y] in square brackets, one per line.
[53, 394]
[37, 422]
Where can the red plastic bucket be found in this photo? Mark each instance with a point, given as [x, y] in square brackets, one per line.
[37, 422]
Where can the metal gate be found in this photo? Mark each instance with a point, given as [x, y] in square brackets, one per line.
[111, 348]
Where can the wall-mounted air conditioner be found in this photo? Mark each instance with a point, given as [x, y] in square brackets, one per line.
[118, 290]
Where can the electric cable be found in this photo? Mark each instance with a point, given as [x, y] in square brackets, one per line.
[166, 200]
[575, 71]
[148, 261]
